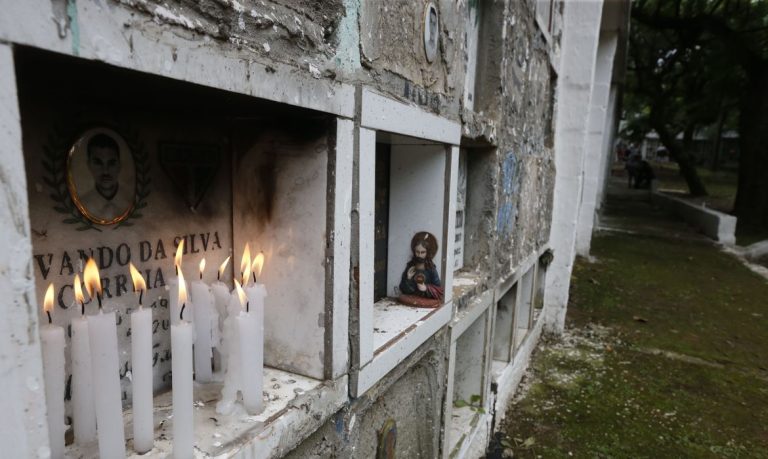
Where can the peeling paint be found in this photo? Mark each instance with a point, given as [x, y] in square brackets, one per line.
[74, 26]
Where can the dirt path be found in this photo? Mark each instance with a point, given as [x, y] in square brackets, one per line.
[665, 353]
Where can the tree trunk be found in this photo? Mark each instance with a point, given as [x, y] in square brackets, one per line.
[682, 157]
[719, 139]
[752, 196]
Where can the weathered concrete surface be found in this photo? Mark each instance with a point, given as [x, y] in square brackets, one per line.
[525, 138]
[411, 395]
[23, 428]
[288, 30]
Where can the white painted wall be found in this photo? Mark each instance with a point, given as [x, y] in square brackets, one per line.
[596, 131]
[367, 176]
[23, 427]
[417, 196]
[580, 39]
[341, 245]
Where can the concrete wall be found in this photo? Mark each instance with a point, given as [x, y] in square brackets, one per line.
[24, 429]
[522, 89]
[574, 96]
[595, 151]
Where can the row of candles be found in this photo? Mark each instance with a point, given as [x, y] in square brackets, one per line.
[96, 394]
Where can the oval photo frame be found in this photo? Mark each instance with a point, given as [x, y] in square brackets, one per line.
[431, 31]
[101, 176]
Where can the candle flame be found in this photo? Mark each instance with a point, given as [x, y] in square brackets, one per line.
[258, 264]
[240, 294]
[182, 289]
[223, 266]
[177, 257]
[91, 277]
[48, 301]
[245, 264]
[79, 297]
[138, 280]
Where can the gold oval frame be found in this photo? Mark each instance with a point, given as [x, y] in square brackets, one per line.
[72, 187]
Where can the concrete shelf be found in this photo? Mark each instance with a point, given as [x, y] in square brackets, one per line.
[295, 406]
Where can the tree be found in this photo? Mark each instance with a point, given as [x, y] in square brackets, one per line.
[729, 40]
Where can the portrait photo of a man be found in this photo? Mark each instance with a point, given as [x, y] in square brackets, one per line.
[101, 176]
[431, 31]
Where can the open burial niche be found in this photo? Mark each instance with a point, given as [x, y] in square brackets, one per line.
[410, 197]
[122, 167]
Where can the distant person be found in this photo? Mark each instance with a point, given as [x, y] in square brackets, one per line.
[644, 176]
[633, 168]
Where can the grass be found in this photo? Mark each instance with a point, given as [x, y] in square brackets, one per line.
[720, 185]
[666, 355]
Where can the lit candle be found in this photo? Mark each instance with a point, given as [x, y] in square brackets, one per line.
[141, 369]
[102, 333]
[250, 332]
[52, 341]
[205, 316]
[84, 413]
[181, 377]
[231, 342]
[173, 288]
[257, 292]
[221, 295]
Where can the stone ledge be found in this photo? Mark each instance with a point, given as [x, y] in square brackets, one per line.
[714, 224]
[295, 406]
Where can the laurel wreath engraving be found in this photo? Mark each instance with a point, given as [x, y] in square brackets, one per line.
[54, 163]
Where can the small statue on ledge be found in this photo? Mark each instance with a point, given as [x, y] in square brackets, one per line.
[420, 282]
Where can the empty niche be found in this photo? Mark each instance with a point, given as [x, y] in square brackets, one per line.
[503, 330]
[524, 313]
[539, 285]
[468, 379]
[474, 198]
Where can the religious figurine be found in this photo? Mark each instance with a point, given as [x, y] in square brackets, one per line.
[420, 282]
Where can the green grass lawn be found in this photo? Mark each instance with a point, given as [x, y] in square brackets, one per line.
[666, 356]
[720, 185]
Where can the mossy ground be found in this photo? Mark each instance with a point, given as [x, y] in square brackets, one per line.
[665, 355]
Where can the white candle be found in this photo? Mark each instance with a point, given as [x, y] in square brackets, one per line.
[83, 410]
[221, 295]
[141, 365]
[251, 331]
[102, 334]
[52, 342]
[173, 289]
[205, 316]
[181, 377]
[141, 370]
[231, 355]
[251, 334]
